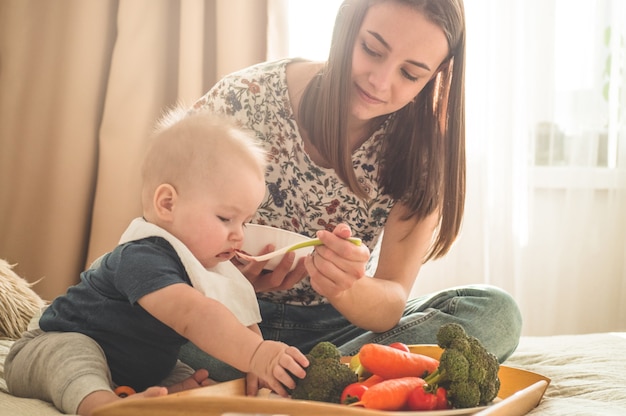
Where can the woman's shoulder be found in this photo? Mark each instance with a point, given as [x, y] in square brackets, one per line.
[258, 87]
[278, 71]
[260, 70]
[299, 72]
[246, 84]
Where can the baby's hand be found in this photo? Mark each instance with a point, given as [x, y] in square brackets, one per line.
[274, 361]
[253, 384]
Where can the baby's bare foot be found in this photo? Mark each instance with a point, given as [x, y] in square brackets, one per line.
[199, 379]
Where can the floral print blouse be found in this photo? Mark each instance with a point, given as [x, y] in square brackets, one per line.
[301, 196]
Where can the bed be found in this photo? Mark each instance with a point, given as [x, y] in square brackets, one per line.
[587, 372]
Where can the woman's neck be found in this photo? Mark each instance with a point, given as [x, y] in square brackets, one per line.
[298, 75]
[358, 132]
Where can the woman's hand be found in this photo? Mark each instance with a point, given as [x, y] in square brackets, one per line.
[338, 264]
[278, 279]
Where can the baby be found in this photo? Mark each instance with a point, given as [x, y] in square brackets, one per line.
[124, 323]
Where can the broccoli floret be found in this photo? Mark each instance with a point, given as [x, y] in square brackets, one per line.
[453, 366]
[486, 375]
[449, 333]
[463, 394]
[326, 376]
[325, 349]
[466, 369]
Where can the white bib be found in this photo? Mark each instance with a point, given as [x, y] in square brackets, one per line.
[224, 282]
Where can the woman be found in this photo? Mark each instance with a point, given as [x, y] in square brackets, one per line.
[371, 140]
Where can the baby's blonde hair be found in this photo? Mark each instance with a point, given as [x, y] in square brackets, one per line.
[189, 149]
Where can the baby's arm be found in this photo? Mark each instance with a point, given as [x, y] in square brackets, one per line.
[253, 382]
[214, 329]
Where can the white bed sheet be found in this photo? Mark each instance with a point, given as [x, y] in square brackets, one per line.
[588, 374]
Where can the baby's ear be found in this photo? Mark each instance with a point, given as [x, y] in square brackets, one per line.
[164, 199]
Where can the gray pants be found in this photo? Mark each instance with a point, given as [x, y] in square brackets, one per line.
[63, 368]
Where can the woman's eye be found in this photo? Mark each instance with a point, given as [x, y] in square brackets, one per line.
[368, 50]
[375, 54]
[408, 76]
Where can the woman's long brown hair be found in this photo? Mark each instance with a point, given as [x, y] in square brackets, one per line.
[423, 160]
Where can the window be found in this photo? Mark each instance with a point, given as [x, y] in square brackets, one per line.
[578, 142]
[311, 27]
[588, 75]
[567, 61]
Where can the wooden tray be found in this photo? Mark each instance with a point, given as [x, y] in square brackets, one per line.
[520, 392]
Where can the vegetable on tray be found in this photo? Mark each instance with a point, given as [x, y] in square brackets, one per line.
[389, 362]
[353, 392]
[385, 377]
[326, 376]
[422, 399]
[392, 394]
[371, 380]
[466, 369]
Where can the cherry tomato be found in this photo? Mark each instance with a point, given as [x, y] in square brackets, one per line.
[124, 391]
[353, 393]
[400, 346]
[420, 399]
[442, 399]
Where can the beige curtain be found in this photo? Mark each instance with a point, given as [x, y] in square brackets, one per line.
[81, 85]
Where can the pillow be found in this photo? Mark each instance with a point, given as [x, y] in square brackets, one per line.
[18, 303]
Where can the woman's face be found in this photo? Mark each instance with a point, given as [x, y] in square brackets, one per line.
[397, 51]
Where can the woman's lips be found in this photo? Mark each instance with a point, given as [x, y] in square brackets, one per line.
[365, 96]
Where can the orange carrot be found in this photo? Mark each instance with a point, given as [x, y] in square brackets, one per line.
[371, 380]
[389, 362]
[392, 394]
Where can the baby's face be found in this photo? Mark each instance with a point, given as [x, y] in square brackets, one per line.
[210, 219]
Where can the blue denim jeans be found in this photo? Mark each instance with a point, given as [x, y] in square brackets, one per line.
[486, 312]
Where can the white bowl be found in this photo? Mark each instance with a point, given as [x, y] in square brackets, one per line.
[256, 237]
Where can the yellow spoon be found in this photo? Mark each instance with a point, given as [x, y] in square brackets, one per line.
[282, 251]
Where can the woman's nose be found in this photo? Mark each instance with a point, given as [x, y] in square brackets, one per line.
[380, 77]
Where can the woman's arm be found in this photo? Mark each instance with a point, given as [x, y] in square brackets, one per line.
[375, 303]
